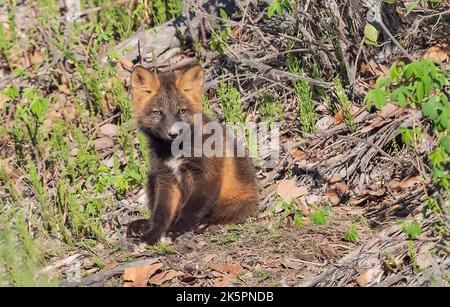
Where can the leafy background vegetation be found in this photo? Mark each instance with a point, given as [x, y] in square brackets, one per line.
[60, 176]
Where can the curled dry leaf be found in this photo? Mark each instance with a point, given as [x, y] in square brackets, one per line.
[138, 276]
[333, 197]
[369, 276]
[125, 63]
[297, 153]
[438, 52]
[337, 188]
[402, 185]
[288, 190]
[304, 209]
[341, 188]
[339, 117]
[373, 68]
[232, 269]
[165, 276]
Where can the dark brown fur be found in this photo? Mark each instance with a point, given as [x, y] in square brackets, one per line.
[200, 189]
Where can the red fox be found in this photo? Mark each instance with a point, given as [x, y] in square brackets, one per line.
[184, 191]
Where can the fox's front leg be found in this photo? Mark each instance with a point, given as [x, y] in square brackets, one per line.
[167, 201]
[198, 202]
[137, 228]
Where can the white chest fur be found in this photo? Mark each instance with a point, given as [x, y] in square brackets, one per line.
[174, 164]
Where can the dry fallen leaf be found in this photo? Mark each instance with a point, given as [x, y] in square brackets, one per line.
[337, 188]
[297, 153]
[237, 31]
[288, 190]
[334, 179]
[110, 130]
[341, 188]
[304, 209]
[401, 185]
[373, 68]
[103, 143]
[339, 117]
[36, 57]
[64, 89]
[368, 276]
[125, 63]
[232, 269]
[333, 197]
[292, 264]
[438, 52]
[223, 281]
[165, 276]
[388, 110]
[138, 276]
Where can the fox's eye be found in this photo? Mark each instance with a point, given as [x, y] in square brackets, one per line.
[157, 112]
[183, 111]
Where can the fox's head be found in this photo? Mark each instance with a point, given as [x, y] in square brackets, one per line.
[162, 100]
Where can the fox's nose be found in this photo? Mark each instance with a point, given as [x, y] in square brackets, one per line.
[173, 134]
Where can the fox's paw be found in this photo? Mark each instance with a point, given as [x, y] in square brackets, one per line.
[151, 237]
[136, 229]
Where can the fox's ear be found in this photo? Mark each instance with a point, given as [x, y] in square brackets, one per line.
[190, 84]
[144, 85]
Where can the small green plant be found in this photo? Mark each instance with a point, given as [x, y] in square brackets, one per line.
[395, 147]
[163, 249]
[165, 10]
[159, 11]
[279, 6]
[412, 229]
[390, 263]
[411, 136]
[269, 108]
[432, 206]
[291, 209]
[207, 108]
[19, 263]
[409, 85]
[307, 114]
[320, 215]
[220, 35]
[230, 98]
[228, 238]
[321, 93]
[345, 104]
[351, 234]
[412, 253]
[262, 275]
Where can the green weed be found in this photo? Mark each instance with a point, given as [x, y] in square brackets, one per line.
[307, 115]
[345, 104]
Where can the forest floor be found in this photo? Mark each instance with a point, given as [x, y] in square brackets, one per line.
[358, 198]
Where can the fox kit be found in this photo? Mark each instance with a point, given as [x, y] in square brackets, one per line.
[185, 191]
